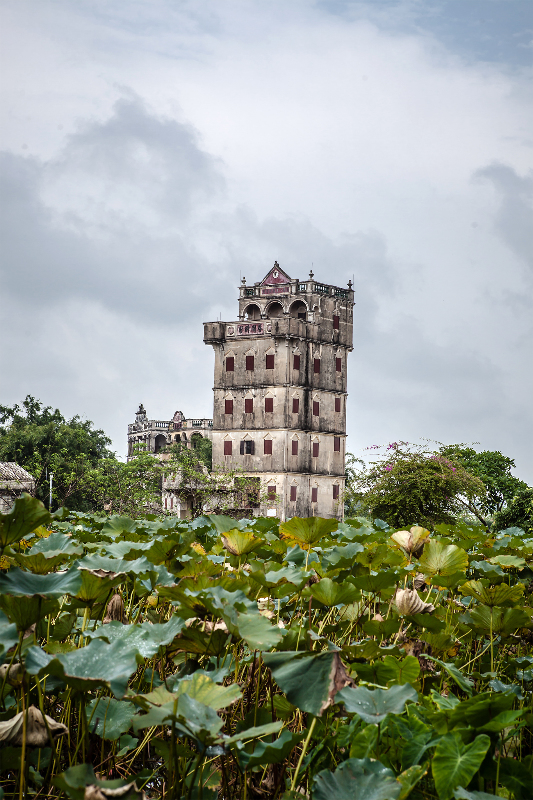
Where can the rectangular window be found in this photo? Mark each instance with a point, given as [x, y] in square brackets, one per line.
[316, 408]
[227, 447]
[337, 404]
[316, 366]
[270, 361]
[336, 321]
[294, 447]
[267, 447]
[335, 491]
[248, 405]
[269, 405]
[230, 364]
[315, 449]
[314, 494]
[337, 444]
[295, 405]
[250, 363]
[293, 494]
[271, 492]
[247, 447]
[228, 406]
[338, 364]
[296, 362]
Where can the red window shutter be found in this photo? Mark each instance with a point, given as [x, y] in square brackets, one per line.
[296, 363]
[267, 447]
[227, 447]
[293, 494]
[295, 447]
[295, 405]
[228, 406]
[165, 503]
[269, 404]
[335, 491]
[230, 364]
[336, 322]
[316, 366]
[338, 364]
[316, 408]
[248, 405]
[270, 361]
[315, 449]
[337, 404]
[337, 444]
[314, 494]
[271, 492]
[250, 363]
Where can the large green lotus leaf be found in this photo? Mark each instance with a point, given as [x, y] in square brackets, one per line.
[505, 621]
[24, 611]
[26, 514]
[342, 556]
[373, 555]
[409, 778]
[464, 683]
[223, 524]
[109, 718]
[306, 678]
[307, 531]
[238, 543]
[146, 638]
[116, 565]
[442, 559]
[38, 563]
[201, 688]
[406, 670]
[455, 764]
[256, 630]
[188, 716]
[329, 593]
[55, 544]
[375, 583]
[8, 635]
[116, 525]
[500, 595]
[17, 582]
[287, 573]
[95, 588]
[269, 752]
[357, 779]
[508, 562]
[193, 640]
[481, 709]
[97, 664]
[374, 705]
[123, 548]
[252, 733]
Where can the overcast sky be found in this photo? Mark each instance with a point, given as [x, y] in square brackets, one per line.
[155, 150]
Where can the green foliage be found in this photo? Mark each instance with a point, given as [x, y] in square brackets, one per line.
[268, 662]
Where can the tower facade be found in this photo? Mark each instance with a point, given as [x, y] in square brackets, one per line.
[280, 393]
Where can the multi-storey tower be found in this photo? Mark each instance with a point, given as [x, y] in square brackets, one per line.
[280, 392]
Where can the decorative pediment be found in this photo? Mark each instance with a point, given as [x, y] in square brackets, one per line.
[275, 276]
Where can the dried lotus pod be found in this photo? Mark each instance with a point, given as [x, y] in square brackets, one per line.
[115, 610]
[408, 603]
[419, 581]
[11, 730]
[412, 541]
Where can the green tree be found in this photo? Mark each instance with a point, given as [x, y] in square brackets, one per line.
[43, 441]
[131, 489]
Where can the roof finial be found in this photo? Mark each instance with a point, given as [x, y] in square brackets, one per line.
[311, 275]
[350, 285]
[243, 281]
[276, 264]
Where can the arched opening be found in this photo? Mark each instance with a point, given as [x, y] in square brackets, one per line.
[196, 438]
[299, 310]
[275, 310]
[160, 443]
[252, 312]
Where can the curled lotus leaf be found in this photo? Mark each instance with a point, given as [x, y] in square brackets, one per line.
[443, 559]
[26, 514]
[238, 543]
[11, 730]
[412, 541]
[408, 602]
[18, 582]
[307, 531]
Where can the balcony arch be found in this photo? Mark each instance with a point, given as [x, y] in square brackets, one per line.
[298, 310]
[252, 312]
[274, 310]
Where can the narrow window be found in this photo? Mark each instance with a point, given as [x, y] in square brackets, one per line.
[270, 361]
[336, 322]
[295, 447]
[250, 363]
[337, 444]
[315, 449]
[316, 408]
[227, 447]
[338, 364]
[296, 362]
[271, 492]
[337, 404]
[316, 366]
[295, 405]
[230, 364]
[248, 405]
[165, 503]
[314, 494]
[269, 404]
[247, 447]
[228, 406]
[335, 491]
[267, 447]
[293, 494]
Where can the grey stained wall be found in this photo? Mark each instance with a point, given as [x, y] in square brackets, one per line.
[299, 336]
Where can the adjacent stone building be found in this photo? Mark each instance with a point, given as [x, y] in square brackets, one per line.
[280, 392]
[155, 435]
[13, 481]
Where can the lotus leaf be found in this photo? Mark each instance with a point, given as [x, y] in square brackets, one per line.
[239, 543]
[25, 611]
[462, 794]
[18, 582]
[55, 544]
[146, 638]
[307, 532]
[357, 779]
[201, 688]
[38, 563]
[116, 566]
[310, 681]
[269, 752]
[455, 764]
[26, 514]
[109, 718]
[375, 583]
[329, 593]
[374, 706]
[441, 559]
[8, 635]
[500, 595]
[37, 729]
[508, 562]
[502, 621]
[342, 556]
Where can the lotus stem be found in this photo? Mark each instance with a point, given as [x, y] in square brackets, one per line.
[302, 754]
